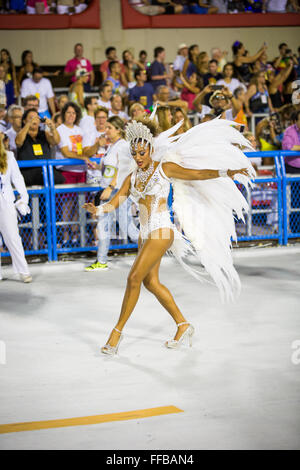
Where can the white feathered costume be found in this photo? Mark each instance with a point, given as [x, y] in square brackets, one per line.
[206, 209]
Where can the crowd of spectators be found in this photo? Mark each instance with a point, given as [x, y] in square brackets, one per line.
[43, 7]
[204, 7]
[197, 86]
[154, 7]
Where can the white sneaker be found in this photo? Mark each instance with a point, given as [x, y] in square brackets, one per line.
[26, 278]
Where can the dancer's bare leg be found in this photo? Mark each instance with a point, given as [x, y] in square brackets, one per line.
[165, 298]
[148, 256]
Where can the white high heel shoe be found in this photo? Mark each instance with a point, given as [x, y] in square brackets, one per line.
[188, 333]
[112, 350]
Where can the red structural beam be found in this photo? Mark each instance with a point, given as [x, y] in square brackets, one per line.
[89, 19]
[132, 20]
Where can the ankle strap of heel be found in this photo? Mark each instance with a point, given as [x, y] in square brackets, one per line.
[183, 323]
[118, 330]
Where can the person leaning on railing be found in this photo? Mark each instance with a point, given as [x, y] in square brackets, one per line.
[291, 141]
[117, 162]
[34, 143]
[70, 146]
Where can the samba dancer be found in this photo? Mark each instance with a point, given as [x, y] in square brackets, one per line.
[210, 144]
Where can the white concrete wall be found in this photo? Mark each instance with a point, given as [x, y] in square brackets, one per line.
[56, 46]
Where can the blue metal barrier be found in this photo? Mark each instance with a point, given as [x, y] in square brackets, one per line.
[35, 228]
[56, 210]
[264, 220]
[73, 230]
[291, 199]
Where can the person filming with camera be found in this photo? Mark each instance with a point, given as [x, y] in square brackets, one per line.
[221, 100]
[34, 143]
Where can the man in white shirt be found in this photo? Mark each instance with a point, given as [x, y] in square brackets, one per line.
[15, 114]
[87, 123]
[116, 108]
[42, 89]
[105, 92]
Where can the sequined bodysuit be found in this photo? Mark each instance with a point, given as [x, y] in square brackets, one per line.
[154, 213]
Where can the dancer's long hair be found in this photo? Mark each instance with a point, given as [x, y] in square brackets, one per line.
[3, 157]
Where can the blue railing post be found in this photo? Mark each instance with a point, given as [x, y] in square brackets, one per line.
[284, 201]
[48, 211]
[287, 181]
[279, 198]
[53, 212]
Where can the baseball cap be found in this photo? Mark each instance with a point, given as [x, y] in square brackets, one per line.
[182, 46]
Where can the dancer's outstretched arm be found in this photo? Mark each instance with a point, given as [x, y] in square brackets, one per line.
[114, 203]
[172, 170]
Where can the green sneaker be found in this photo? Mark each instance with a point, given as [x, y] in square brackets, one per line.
[97, 266]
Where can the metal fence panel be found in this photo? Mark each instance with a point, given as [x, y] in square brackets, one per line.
[291, 200]
[73, 229]
[35, 228]
[264, 220]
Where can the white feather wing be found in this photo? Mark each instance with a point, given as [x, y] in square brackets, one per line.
[206, 209]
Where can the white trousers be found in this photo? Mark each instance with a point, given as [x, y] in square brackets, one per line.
[11, 237]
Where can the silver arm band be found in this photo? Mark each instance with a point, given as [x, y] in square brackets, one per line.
[223, 173]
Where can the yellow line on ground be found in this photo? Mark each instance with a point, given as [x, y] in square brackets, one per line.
[86, 420]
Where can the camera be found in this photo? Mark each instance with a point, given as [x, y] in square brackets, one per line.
[216, 87]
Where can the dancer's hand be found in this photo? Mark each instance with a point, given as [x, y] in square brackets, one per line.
[90, 164]
[242, 171]
[106, 194]
[91, 208]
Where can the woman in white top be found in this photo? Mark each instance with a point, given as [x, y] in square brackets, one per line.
[10, 174]
[228, 80]
[70, 146]
[117, 163]
[204, 210]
